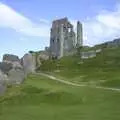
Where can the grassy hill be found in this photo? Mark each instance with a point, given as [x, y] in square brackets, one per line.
[103, 69]
[41, 98]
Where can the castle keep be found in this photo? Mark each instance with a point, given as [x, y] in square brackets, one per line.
[63, 39]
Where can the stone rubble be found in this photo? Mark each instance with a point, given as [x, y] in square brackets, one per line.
[14, 70]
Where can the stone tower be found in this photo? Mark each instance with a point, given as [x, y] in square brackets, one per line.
[79, 34]
[63, 38]
[61, 41]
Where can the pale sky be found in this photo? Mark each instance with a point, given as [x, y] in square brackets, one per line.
[25, 24]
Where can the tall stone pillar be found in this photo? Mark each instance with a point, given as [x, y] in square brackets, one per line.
[61, 41]
[79, 34]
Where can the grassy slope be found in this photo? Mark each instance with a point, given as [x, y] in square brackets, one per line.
[40, 98]
[102, 70]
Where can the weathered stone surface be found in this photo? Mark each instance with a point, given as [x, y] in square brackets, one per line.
[10, 58]
[5, 67]
[2, 89]
[29, 63]
[89, 54]
[13, 72]
[15, 76]
[79, 34]
[3, 79]
[17, 65]
[63, 38]
[98, 50]
[42, 56]
[12, 68]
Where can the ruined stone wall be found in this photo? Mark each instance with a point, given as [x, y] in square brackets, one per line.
[62, 38]
[79, 34]
[29, 63]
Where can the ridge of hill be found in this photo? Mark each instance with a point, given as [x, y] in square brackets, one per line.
[102, 69]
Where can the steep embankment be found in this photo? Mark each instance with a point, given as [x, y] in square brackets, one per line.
[101, 70]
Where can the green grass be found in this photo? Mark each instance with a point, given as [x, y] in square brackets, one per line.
[105, 67]
[40, 98]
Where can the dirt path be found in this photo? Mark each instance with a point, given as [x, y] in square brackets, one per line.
[75, 84]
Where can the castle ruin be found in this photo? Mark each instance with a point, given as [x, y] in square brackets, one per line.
[63, 39]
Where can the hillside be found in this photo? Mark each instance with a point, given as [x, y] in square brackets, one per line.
[42, 97]
[103, 69]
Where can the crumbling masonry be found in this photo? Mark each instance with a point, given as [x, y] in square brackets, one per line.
[63, 38]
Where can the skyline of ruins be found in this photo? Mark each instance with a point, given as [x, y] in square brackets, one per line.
[25, 25]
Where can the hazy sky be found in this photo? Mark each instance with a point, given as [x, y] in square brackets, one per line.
[25, 24]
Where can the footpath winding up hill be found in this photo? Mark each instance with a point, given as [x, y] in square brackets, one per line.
[66, 90]
[101, 70]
